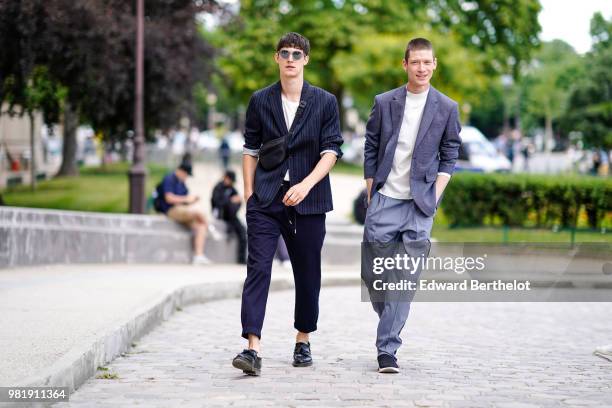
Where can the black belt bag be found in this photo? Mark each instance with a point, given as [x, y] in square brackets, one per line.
[274, 152]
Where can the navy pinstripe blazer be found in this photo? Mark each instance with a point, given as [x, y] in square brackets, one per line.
[316, 130]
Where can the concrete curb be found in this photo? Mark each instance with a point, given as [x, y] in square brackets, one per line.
[81, 363]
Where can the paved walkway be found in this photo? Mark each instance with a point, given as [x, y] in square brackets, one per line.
[50, 313]
[57, 323]
[505, 355]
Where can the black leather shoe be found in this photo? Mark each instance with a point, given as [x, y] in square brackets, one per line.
[387, 364]
[248, 362]
[301, 355]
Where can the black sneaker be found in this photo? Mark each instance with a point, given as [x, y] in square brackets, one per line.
[248, 362]
[302, 356]
[387, 364]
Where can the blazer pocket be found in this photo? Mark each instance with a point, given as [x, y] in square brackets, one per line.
[431, 176]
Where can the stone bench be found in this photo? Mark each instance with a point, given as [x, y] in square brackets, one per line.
[31, 236]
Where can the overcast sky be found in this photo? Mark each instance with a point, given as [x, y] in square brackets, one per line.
[570, 20]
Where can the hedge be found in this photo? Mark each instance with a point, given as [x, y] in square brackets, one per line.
[567, 201]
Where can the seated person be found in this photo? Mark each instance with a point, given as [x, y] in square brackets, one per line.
[225, 203]
[176, 202]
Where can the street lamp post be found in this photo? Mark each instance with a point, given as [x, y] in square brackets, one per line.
[211, 100]
[137, 173]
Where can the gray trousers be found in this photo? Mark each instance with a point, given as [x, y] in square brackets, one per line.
[392, 220]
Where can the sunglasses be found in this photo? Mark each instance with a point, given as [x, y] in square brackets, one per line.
[296, 55]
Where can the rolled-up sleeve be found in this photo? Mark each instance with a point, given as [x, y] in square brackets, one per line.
[331, 136]
[252, 129]
[450, 143]
[250, 152]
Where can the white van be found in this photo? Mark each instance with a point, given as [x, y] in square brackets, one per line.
[478, 154]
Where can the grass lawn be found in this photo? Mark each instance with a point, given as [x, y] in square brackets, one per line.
[95, 189]
[487, 234]
[348, 168]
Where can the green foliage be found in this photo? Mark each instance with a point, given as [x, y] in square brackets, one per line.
[527, 200]
[549, 80]
[357, 46]
[38, 92]
[375, 65]
[590, 104]
[88, 50]
[108, 376]
[486, 112]
[506, 31]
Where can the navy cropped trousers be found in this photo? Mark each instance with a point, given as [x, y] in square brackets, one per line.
[304, 236]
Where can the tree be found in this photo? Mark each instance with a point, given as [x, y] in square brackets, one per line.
[492, 35]
[507, 32]
[88, 48]
[590, 105]
[24, 85]
[549, 81]
[25, 82]
[375, 65]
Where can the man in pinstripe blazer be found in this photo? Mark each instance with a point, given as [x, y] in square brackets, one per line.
[290, 200]
[412, 144]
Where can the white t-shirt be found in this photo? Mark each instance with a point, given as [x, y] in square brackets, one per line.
[289, 110]
[398, 181]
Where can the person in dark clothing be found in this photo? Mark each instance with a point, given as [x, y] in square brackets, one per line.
[292, 140]
[224, 153]
[225, 203]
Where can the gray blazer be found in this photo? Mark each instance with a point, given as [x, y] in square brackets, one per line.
[436, 147]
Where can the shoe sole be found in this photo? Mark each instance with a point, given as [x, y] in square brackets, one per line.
[389, 370]
[246, 367]
[308, 364]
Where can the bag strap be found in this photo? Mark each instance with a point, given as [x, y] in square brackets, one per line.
[298, 115]
[296, 118]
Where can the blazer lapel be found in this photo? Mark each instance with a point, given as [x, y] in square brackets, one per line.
[398, 103]
[276, 105]
[306, 96]
[429, 111]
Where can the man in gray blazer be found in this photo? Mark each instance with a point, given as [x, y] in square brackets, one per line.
[412, 143]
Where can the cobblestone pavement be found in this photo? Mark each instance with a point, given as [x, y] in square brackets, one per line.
[454, 355]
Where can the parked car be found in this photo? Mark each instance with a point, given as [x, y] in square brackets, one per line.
[478, 154]
[208, 141]
[236, 141]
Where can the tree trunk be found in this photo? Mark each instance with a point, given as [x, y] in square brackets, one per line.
[69, 149]
[506, 119]
[517, 114]
[548, 136]
[516, 76]
[123, 151]
[32, 152]
[338, 91]
[548, 132]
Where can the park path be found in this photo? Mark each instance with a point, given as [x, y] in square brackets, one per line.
[505, 355]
